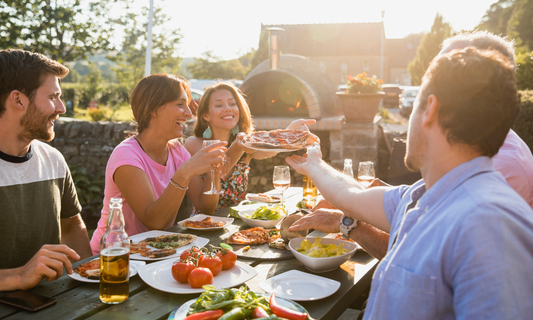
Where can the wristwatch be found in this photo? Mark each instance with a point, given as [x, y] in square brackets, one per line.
[346, 225]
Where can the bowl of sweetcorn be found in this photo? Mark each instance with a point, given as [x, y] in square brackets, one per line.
[322, 254]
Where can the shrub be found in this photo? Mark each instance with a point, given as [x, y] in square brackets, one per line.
[524, 74]
[524, 123]
[97, 113]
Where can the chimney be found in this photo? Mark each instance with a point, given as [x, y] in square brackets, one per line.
[274, 41]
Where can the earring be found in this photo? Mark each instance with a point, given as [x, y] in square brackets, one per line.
[235, 130]
[208, 134]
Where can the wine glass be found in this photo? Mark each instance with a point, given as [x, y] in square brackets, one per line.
[213, 189]
[281, 179]
[366, 174]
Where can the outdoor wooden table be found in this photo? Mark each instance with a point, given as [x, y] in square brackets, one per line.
[79, 300]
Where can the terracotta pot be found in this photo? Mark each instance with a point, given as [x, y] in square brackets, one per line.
[360, 107]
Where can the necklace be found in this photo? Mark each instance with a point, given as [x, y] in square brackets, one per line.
[140, 145]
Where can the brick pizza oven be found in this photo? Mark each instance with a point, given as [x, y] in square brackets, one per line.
[297, 88]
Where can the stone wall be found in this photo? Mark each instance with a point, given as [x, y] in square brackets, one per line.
[89, 144]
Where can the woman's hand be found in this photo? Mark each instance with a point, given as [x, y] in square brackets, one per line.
[206, 159]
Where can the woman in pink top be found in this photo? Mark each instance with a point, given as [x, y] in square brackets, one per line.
[152, 171]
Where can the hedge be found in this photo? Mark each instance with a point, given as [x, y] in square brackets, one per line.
[524, 123]
[110, 95]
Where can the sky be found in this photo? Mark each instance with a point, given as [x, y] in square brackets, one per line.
[230, 28]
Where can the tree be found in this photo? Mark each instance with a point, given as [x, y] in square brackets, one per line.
[520, 25]
[429, 48]
[261, 54]
[524, 73]
[130, 60]
[496, 18]
[210, 66]
[65, 30]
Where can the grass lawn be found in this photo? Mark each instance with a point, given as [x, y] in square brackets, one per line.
[123, 114]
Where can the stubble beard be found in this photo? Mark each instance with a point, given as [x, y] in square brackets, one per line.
[35, 125]
[413, 149]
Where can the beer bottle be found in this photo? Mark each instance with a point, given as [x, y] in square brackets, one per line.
[114, 257]
[348, 170]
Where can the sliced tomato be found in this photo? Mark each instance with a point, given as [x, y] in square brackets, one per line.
[206, 315]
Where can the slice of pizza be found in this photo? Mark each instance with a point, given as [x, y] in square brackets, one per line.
[172, 240]
[138, 248]
[89, 270]
[158, 253]
[280, 139]
[257, 235]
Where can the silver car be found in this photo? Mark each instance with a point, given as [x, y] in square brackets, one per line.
[407, 98]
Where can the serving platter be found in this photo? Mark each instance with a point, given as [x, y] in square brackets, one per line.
[158, 275]
[199, 242]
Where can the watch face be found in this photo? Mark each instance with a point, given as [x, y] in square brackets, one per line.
[347, 221]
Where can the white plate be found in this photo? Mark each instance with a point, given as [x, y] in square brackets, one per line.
[256, 197]
[134, 266]
[199, 242]
[300, 286]
[200, 217]
[159, 276]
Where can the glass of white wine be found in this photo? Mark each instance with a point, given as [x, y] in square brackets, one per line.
[213, 189]
[366, 174]
[282, 179]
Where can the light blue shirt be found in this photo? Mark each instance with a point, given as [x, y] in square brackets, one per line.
[463, 251]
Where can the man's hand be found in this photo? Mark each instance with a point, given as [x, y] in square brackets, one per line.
[47, 262]
[300, 163]
[322, 204]
[326, 220]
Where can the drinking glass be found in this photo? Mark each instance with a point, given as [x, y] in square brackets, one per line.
[366, 174]
[213, 189]
[281, 179]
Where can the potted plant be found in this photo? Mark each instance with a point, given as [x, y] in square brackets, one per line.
[360, 102]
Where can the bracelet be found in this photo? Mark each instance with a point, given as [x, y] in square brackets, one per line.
[175, 184]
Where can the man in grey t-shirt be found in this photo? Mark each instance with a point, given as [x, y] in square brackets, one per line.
[41, 230]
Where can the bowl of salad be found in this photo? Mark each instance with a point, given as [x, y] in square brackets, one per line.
[264, 216]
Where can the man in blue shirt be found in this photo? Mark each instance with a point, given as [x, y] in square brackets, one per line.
[461, 244]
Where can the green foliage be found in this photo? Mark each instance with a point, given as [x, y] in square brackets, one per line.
[112, 95]
[428, 49]
[261, 54]
[496, 18]
[90, 188]
[130, 61]
[97, 114]
[523, 125]
[72, 77]
[524, 74]
[65, 30]
[520, 25]
[93, 82]
[213, 67]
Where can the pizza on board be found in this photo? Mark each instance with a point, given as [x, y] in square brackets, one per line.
[280, 139]
[258, 236]
[205, 223]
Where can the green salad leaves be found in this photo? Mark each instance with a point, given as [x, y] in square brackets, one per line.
[269, 212]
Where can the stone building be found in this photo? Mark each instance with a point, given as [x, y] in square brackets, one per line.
[341, 49]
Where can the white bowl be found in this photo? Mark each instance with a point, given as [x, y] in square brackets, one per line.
[319, 265]
[267, 224]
